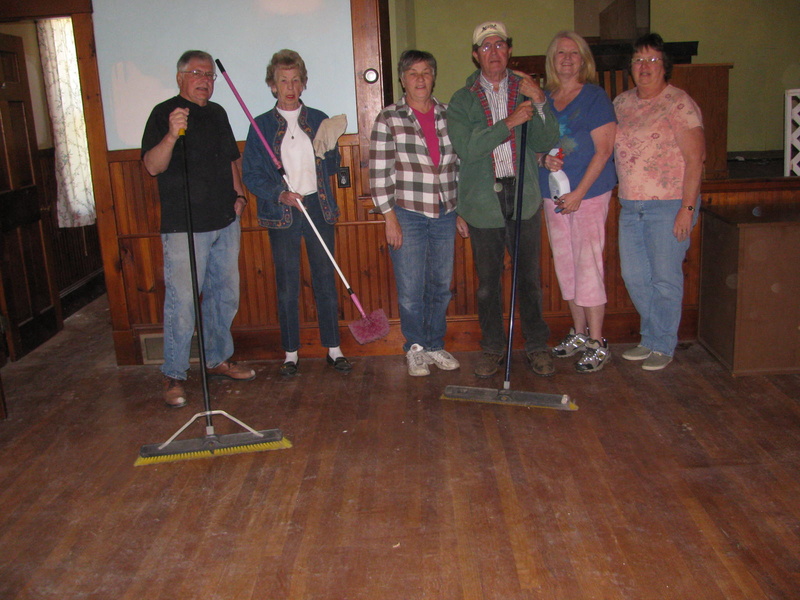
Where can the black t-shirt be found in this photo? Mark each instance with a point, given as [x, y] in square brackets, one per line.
[211, 149]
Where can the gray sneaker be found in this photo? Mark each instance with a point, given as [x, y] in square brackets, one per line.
[442, 359]
[656, 361]
[417, 361]
[638, 353]
[594, 357]
[571, 344]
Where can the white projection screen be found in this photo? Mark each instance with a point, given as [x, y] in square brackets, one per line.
[140, 41]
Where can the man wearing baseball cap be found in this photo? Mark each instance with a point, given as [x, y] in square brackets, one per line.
[484, 120]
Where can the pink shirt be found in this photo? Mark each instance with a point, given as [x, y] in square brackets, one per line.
[426, 122]
[649, 162]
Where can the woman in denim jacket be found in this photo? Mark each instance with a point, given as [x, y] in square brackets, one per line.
[290, 128]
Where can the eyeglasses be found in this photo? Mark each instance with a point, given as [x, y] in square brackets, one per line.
[499, 45]
[642, 61]
[201, 74]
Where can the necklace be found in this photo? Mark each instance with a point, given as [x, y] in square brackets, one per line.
[292, 128]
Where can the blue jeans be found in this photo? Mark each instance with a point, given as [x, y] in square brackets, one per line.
[423, 270]
[488, 251]
[286, 256]
[651, 260]
[217, 254]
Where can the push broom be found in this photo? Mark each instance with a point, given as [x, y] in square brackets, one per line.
[369, 328]
[212, 444]
[507, 395]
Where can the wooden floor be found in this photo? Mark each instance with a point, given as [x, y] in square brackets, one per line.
[683, 484]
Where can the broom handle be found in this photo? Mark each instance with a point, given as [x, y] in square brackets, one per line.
[195, 287]
[282, 172]
[518, 230]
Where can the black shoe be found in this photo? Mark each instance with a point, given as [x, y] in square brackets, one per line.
[289, 368]
[340, 364]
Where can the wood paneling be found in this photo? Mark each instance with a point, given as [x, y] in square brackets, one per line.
[362, 253]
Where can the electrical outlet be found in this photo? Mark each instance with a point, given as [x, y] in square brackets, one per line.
[343, 179]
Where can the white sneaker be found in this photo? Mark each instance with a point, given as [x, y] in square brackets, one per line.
[594, 357]
[442, 359]
[417, 360]
[571, 344]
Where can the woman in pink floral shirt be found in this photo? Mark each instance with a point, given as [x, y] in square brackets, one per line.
[659, 152]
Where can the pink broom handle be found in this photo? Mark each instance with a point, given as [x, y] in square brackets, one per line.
[282, 172]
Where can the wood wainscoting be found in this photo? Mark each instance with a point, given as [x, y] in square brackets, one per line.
[362, 253]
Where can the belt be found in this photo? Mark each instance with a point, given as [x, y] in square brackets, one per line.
[505, 179]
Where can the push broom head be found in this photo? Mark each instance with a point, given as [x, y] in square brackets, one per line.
[512, 397]
[212, 446]
[370, 328]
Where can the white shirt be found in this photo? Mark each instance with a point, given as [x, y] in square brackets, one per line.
[297, 155]
[498, 104]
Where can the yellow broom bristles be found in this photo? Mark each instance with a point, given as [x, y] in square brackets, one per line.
[260, 447]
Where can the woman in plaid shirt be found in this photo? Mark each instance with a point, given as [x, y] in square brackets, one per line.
[413, 172]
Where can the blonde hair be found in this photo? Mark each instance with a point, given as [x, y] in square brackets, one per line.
[588, 72]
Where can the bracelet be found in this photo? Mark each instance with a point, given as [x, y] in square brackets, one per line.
[688, 207]
[243, 198]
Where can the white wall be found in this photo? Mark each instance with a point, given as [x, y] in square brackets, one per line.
[139, 42]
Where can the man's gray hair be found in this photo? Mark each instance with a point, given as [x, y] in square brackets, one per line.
[192, 54]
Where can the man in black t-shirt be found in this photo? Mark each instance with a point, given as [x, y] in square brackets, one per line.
[213, 171]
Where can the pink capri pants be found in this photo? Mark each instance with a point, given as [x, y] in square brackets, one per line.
[577, 241]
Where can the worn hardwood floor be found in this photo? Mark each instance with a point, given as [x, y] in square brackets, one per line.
[672, 485]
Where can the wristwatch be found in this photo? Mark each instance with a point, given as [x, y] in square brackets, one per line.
[688, 207]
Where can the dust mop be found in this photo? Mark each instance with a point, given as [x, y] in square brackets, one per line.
[212, 444]
[507, 395]
[369, 328]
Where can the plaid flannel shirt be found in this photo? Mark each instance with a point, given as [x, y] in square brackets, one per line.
[401, 171]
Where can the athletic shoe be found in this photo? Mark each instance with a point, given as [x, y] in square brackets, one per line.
[656, 361]
[594, 357]
[541, 362]
[571, 344]
[174, 395]
[417, 361]
[442, 359]
[638, 353]
[488, 364]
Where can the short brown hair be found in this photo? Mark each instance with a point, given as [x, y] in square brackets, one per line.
[286, 59]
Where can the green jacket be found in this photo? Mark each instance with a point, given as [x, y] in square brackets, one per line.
[474, 140]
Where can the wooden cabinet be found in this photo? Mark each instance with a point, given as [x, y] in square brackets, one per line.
[750, 287]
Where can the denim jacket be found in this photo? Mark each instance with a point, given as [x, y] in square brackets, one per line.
[262, 178]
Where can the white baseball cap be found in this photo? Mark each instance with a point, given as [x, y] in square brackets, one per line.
[488, 29]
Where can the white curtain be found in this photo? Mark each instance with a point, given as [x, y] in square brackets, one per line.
[75, 200]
